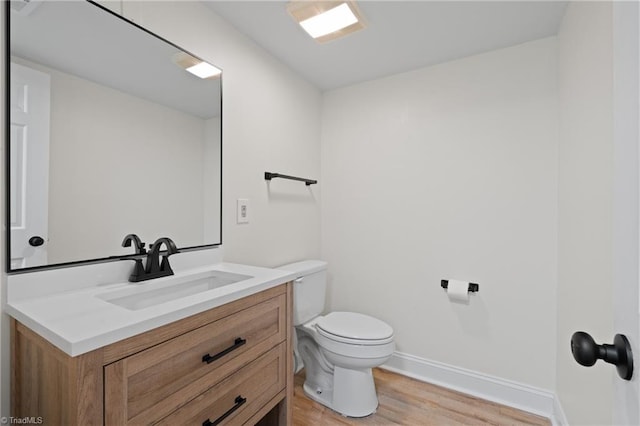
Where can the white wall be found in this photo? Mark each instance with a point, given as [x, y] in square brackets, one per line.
[270, 123]
[450, 172]
[585, 206]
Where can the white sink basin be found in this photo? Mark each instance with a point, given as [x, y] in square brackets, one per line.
[154, 292]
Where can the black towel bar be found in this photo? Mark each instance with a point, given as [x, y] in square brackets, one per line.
[269, 176]
[472, 286]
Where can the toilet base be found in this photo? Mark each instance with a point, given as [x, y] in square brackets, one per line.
[353, 393]
[321, 396]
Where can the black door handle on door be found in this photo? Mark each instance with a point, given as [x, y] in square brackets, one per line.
[36, 241]
[586, 351]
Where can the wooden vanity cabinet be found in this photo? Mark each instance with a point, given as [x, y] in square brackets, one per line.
[228, 365]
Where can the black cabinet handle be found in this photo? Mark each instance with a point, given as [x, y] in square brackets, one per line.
[239, 401]
[586, 351]
[36, 241]
[238, 342]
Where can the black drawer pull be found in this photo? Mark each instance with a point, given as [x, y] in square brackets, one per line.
[209, 359]
[239, 401]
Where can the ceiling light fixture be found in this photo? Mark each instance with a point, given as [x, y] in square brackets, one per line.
[330, 21]
[326, 20]
[195, 66]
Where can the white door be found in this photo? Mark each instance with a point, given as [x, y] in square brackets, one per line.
[622, 395]
[29, 171]
[626, 240]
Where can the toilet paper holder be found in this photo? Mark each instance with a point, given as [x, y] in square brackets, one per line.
[472, 286]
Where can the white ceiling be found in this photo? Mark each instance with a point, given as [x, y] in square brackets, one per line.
[400, 35]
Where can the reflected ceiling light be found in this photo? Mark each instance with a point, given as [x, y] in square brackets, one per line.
[196, 66]
[326, 20]
[204, 70]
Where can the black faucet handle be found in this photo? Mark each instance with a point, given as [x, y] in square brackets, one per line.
[138, 244]
[138, 271]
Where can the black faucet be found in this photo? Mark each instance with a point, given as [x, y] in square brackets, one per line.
[153, 268]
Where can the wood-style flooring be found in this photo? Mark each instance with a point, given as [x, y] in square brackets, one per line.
[405, 401]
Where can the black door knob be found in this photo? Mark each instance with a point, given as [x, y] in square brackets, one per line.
[586, 351]
[36, 241]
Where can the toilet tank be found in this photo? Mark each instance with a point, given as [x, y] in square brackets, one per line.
[309, 289]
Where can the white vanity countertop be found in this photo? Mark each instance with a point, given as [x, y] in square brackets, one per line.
[78, 321]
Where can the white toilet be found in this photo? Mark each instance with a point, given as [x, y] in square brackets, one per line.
[338, 349]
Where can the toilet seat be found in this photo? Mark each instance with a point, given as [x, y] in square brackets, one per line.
[353, 328]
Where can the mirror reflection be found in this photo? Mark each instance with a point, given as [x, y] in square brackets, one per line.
[109, 135]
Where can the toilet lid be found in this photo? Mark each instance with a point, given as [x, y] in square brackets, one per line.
[353, 326]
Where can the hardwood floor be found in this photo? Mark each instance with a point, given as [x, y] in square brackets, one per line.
[405, 401]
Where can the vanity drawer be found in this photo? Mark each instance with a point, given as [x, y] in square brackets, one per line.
[147, 386]
[237, 398]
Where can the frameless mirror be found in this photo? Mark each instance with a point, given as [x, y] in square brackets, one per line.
[109, 135]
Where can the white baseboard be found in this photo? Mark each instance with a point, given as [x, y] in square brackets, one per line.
[523, 397]
[558, 418]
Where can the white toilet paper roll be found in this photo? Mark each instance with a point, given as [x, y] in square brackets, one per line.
[458, 291]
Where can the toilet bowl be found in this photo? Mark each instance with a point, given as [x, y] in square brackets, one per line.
[339, 349]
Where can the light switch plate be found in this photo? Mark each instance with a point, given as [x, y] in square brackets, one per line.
[243, 210]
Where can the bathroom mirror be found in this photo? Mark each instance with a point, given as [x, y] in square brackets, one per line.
[109, 135]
